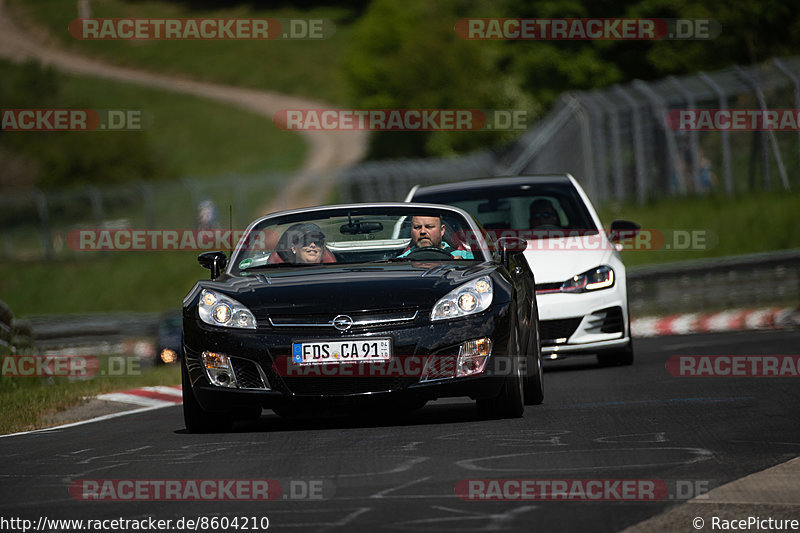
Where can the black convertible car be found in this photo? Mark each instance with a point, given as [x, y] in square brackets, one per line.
[365, 306]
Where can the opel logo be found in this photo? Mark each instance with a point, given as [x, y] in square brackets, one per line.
[342, 322]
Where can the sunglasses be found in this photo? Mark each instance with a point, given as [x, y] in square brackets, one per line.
[307, 240]
[543, 215]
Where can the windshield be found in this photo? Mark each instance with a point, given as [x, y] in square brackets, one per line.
[547, 210]
[359, 235]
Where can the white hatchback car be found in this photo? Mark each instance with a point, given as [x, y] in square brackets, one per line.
[580, 278]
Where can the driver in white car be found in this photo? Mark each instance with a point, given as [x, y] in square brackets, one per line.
[543, 213]
[427, 232]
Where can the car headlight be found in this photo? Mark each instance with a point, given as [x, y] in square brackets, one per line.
[219, 310]
[601, 277]
[468, 299]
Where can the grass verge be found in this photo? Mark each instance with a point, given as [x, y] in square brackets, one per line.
[712, 226]
[188, 135]
[30, 403]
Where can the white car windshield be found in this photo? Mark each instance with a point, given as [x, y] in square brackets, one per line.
[549, 210]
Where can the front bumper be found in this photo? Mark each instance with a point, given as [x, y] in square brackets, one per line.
[583, 323]
[270, 348]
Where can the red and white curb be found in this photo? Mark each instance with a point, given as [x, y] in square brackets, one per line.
[732, 320]
[146, 396]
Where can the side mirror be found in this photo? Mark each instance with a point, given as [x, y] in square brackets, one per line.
[623, 229]
[509, 246]
[214, 261]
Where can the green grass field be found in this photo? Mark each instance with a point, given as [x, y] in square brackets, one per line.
[191, 136]
[279, 65]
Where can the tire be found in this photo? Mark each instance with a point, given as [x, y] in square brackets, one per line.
[623, 357]
[196, 419]
[510, 402]
[534, 376]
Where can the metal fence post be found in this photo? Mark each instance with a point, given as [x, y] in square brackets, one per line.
[586, 143]
[44, 220]
[694, 145]
[598, 145]
[660, 110]
[770, 134]
[725, 135]
[638, 149]
[616, 143]
[796, 82]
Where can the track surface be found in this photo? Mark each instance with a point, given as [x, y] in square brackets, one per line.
[636, 422]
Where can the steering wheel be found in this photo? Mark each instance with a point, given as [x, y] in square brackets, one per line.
[429, 252]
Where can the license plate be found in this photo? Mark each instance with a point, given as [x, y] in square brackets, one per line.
[342, 351]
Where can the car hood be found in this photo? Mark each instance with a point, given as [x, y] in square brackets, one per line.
[347, 288]
[557, 265]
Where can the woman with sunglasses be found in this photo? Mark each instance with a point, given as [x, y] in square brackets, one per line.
[304, 243]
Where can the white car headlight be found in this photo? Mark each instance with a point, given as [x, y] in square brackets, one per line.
[601, 277]
[219, 310]
[468, 299]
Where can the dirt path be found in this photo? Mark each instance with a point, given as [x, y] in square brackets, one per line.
[327, 151]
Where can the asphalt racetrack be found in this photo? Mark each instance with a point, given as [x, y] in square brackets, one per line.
[682, 435]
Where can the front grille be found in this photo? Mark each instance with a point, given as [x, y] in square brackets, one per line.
[247, 374]
[553, 331]
[606, 321]
[548, 287]
[344, 386]
[360, 320]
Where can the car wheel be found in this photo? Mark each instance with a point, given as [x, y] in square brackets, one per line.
[623, 357]
[534, 374]
[196, 419]
[510, 403]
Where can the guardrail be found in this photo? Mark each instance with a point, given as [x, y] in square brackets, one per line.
[748, 281]
[95, 333]
[16, 336]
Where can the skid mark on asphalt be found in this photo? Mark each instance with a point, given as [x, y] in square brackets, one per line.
[594, 459]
